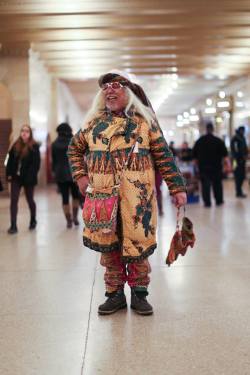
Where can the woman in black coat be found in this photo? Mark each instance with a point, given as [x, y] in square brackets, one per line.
[21, 171]
[62, 172]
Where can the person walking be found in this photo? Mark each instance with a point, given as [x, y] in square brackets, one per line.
[185, 153]
[210, 153]
[62, 172]
[21, 171]
[239, 154]
[122, 140]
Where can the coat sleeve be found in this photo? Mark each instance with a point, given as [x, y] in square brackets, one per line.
[53, 157]
[36, 159]
[76, 151]
[234, 147]
[224, 151]
[164, 161]
[9, 166]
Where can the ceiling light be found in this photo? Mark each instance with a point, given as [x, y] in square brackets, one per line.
[240, 94]
[179, 117]
[193, 111]
[194, 118]
[186, 121]
[209, 101]
[210, 110]
[223, 104]
[239, 104]
[174, 69]
[222, 94]
[186, 115]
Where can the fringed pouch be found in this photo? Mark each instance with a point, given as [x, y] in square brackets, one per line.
[100, 209]
[182, 238]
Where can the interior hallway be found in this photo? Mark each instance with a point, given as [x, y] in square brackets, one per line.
[50, 288]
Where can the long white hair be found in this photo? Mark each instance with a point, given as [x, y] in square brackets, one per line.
[134, 106]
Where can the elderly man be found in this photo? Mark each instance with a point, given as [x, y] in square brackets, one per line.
[122, 138]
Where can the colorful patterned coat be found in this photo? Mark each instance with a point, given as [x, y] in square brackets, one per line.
[88, 155]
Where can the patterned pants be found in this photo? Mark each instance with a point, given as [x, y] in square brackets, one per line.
[118, 273]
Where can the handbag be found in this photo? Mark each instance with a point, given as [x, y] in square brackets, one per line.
[182, 238]
[100, 208]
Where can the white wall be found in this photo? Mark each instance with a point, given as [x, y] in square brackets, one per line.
[40, 98]
[40, 108]
[67, 107]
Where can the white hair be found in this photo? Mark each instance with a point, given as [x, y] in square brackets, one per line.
[134, 105]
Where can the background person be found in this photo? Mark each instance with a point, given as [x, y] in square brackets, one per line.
[210, 153]
[185, 153]
[239, 154]
[62, 172]
[119, 119]
[21, 171]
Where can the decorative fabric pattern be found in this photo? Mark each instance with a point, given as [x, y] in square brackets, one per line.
[100, 210]
[99, 161]
[117, 273]
[143, 208]
[107, 140]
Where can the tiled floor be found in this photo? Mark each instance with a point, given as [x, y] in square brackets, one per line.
[50, 287]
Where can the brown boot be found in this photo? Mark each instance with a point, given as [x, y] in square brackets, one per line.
[75, 211]
[140, 304]
[66, 210]
[115, 302]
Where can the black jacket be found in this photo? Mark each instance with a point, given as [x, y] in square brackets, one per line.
[60, 163]
[209, 150]
[239, 148]
[26, 168]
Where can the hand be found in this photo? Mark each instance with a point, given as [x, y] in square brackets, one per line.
[179, 199]
[227, 168]
[82, 183]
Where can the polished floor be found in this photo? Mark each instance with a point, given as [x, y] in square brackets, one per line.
[50, 287]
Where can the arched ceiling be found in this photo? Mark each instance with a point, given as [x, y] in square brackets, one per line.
[205, 42]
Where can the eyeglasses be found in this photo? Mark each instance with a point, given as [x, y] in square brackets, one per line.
[114, 85]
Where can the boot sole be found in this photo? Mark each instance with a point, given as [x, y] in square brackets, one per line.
[100, 312]
[150, 312]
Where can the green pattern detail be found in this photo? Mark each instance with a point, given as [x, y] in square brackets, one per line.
[98, 129]
[130, 127]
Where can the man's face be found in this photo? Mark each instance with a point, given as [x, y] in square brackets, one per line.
[115, 96]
